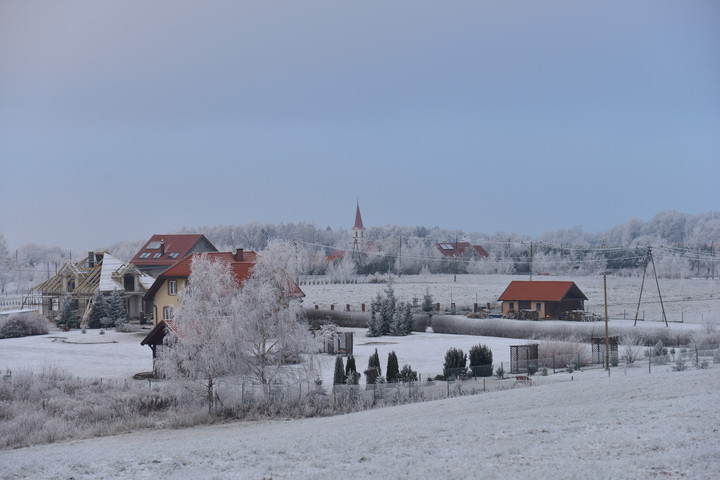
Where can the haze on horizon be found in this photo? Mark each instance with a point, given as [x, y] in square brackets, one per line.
[123, 119]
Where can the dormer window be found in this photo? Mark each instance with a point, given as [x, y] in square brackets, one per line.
[173, 255]
[153, 245]
[157, 255]
[145, 255]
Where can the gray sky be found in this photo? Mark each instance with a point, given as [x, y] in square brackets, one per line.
[120, 119]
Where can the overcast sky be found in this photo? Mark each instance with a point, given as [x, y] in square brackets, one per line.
[120, 119]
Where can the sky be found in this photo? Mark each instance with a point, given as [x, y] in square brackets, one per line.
[120, 119]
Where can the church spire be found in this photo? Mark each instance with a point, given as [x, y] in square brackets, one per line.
[358, 219]
[358, 241]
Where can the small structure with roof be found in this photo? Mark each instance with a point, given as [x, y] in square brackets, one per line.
[547, 299]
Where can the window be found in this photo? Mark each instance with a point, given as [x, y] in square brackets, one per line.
[172, 287]
[446, 246]
[511, 306]
[145, 255]
[157, 255]
[538, 306]
[154, 245]
[167, 312]
[55, 304]
[173, 254]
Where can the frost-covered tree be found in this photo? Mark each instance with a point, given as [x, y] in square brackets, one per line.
[98, 311]
[252, 333]
[342, 271]
[351, 374]
[68, 313]
[116, 309]
[428, 304]
[4, 264]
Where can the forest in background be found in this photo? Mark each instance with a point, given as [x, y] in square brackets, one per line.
[684, 245]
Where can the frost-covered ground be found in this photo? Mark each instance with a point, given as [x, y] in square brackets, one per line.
[633, 424]
[581, 426]
[692, 300]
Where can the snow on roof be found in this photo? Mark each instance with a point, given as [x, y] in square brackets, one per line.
[110, 265]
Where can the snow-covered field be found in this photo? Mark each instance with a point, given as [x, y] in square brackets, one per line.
[690, 300]
[631, 424]
[585, 426]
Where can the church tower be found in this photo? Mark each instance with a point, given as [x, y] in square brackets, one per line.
[358, 229]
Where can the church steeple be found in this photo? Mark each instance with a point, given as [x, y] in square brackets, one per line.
[358, 219]
[358, 229]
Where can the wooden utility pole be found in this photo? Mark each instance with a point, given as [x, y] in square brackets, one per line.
[607, 338]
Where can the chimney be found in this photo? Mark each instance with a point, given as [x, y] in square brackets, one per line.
[91, 259]
[162, 247]
[238, 255]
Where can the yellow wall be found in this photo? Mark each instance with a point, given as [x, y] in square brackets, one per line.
[164, 299]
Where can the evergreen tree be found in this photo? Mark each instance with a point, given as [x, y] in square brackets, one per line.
[406, 323]
[373, 371]
[68, 313]
[481, 359]
[351, 374]
[428, 304]
[98, 311]
[407, 374]
[455, 361]
[374, 324]
[393, 370]
[339, 375]
[116, 309]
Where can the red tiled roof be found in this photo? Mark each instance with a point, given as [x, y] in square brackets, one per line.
[455, 249]
[240, 268]
[174, 248]
[547, 291]
[337, 255]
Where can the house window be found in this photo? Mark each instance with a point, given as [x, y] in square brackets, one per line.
[172, 287]
[511, 306]
[154, 245]
[145, 255]
[70, 284]
[167, 312]
[173, 254]
[157, 255]
[55, 305]
[538, 306]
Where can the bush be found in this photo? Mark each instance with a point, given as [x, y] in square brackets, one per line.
[23, 325]
[481, 359]
[455, 363]
[500, 372]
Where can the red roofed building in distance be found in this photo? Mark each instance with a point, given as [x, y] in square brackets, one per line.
[551, 299]
[457, 249]
[163, 251]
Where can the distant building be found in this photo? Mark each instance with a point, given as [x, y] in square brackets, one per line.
[100, 271]
[457, 249]
[161, 297]
[163, 251]
[550, 299]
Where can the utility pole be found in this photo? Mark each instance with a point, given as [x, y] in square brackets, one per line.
[455, 259]
[607, 338]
